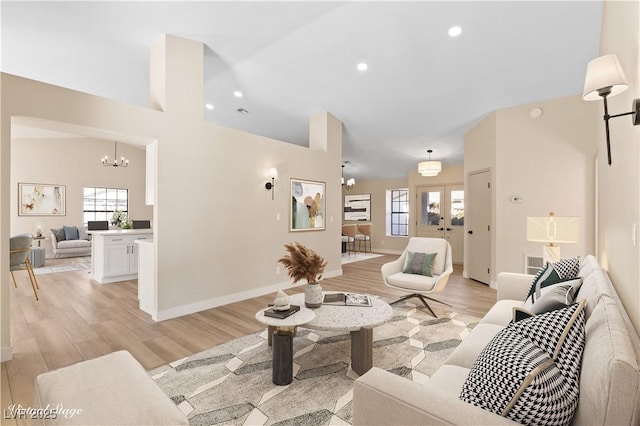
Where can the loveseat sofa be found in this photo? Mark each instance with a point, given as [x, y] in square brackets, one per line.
[609, 384]
[76, 242]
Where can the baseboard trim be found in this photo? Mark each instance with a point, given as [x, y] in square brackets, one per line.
[383, 251]
[5, 353]
[192, 308]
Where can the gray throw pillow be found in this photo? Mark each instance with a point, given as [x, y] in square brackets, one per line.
[71, 232]
[58, 233]
[569, 293]
[557, 297]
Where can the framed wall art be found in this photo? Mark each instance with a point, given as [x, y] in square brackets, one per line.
[357, 207]
[307, 205]
[36, 199]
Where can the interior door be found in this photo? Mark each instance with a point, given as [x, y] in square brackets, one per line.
[441, 215]
[479, 210]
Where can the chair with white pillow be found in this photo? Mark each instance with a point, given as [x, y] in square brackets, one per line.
[418, 283]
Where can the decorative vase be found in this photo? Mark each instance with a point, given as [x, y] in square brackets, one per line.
[313, 295]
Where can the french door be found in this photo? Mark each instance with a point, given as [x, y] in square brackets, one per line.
[441, 215]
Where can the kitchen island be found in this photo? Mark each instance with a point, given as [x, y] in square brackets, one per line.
[114, 254]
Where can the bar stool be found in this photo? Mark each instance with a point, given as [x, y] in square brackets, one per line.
[364, 236]
[350, 232]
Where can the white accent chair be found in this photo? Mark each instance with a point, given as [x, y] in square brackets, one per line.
[420, 285]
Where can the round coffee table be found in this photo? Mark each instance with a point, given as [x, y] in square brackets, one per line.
[282, 340]
[358, 320]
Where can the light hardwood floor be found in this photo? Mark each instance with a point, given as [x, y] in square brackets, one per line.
[77, 320]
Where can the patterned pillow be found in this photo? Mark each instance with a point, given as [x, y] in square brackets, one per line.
[419, 263]
[530, 371]
[552, 273]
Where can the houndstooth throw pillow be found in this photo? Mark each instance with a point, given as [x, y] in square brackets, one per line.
[530, 371]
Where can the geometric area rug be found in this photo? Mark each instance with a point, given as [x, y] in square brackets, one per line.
[231, 384]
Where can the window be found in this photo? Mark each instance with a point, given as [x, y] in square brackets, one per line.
[100, 203]
[398, 212]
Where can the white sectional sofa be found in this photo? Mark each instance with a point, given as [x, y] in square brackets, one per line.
[609, 377]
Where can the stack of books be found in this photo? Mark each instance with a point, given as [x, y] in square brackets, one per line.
[282, 314]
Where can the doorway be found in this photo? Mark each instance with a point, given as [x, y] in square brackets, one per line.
[479, 226]
[441, 215]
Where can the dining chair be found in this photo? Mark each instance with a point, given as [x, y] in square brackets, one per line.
[19, 250]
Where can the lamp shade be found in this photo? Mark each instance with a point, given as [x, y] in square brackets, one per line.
[553, 229]
[429, 168]
[273, 173]
[604, 72]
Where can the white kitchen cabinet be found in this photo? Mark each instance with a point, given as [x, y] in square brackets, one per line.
[114, 254]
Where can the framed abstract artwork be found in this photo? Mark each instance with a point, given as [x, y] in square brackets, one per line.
[357, 207]
[36, 199]
[307, 205]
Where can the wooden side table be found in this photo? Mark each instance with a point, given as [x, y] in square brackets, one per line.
[282, 340]
[39, 240]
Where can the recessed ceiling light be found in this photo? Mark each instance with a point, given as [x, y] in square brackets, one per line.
[362, 66]
[209, 106]
[455, 31]
[237, 94]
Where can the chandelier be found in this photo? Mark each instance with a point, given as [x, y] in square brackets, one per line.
[429, 168]
[123, 162]
[351, 181]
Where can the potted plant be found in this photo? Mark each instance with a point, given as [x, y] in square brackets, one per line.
[119, 219]
[304, 263]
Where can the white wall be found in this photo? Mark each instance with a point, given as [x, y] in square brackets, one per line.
[216, 228]
[75, 163]
[380, 242]
[480, 154]
[619, 185]
[548, 162]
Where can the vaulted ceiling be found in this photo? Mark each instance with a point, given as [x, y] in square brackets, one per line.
[422, 89]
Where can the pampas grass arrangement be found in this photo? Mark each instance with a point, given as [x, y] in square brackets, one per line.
[303, 263]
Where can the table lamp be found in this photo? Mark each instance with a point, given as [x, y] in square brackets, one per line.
[552, 230]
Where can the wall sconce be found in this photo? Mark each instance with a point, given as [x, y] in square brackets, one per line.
[552, 230]
[273, 174]
[605, 78]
